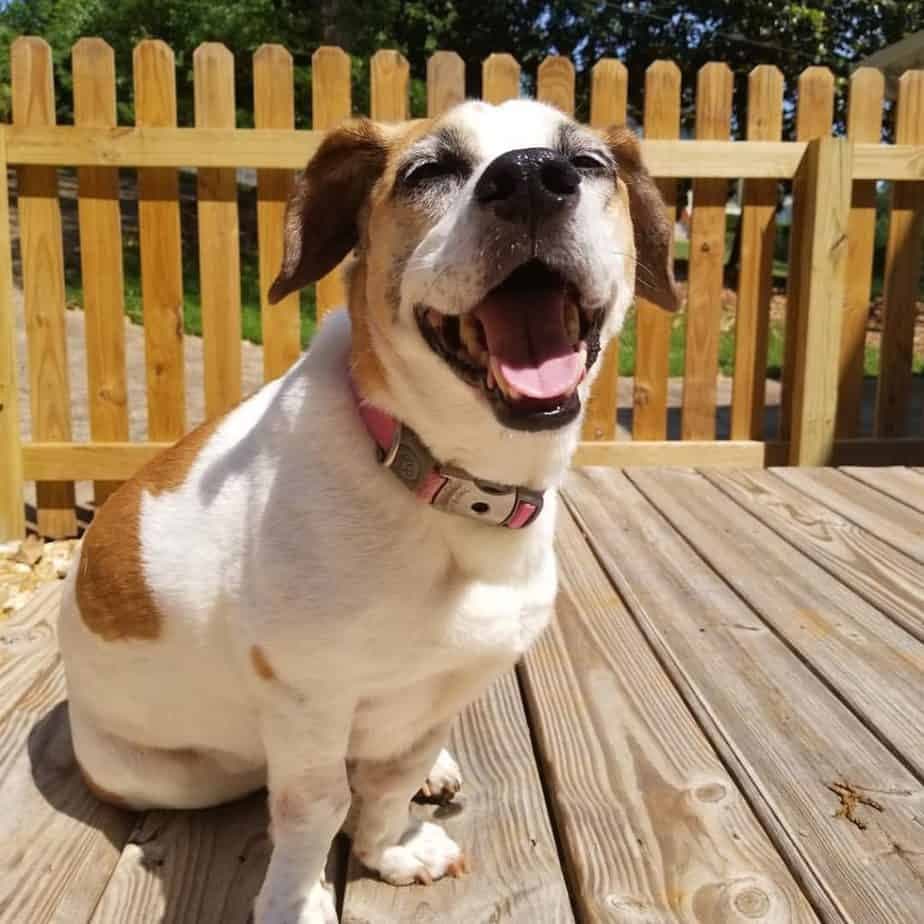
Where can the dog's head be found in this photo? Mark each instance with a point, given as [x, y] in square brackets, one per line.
[497, 250]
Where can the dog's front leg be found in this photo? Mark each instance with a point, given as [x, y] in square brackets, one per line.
[309, 797]
[386, 839]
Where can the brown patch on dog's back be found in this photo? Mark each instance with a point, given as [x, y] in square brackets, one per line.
[261, 664]
[113, 597]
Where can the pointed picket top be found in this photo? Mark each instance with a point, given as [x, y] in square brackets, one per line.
[765, 103]
[213, 86]
[556, 83]
[154, 76]
[445, 82]
[815, 103]
[390, 76]
[93, 66]
[609, 93]
[864, 105]
[500, 78]
[909, 113]
[714, 85]
[32, 71]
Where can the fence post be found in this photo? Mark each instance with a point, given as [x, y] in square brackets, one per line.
[821, 188]
[12, 520]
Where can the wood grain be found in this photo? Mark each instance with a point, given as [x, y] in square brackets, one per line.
[870, 661]
[555, 83]
[814, 115]
[895, 481]
[902, 273]
[40, 243]
[864, 124]
[390, 85]
[781, 731]
[755, 283]
[818, 272]
[445, 82]
[12, 516]
[503, 826]
[93, 65]
[58, 843]
[500, 78]
[331, 104]
[652, 826]
[884, 577]
[274, 107]
[160, 243]
[653, 324]
[889, 520]
[707, 260]
[608, 103]
[219, 244]
[707, 453]
[181, 867]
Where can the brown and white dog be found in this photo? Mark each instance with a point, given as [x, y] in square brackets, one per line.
[305, 592]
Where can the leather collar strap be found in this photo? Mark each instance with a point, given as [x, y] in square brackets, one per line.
[443, 486]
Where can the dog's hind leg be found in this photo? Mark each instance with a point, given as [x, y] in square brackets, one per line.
[138, 777]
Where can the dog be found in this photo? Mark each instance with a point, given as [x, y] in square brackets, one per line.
[305, 592]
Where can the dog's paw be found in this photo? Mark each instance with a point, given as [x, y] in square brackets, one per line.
[426, 853]
[315, 908]
[444, 781]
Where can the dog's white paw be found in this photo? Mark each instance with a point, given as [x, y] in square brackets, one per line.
[444, 780]
[315, 908]
[426, 853]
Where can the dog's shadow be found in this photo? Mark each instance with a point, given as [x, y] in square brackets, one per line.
[207, 865]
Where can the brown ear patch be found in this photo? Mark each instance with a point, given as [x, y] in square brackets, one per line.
[113, 597]
[321, 216]
[652, 227]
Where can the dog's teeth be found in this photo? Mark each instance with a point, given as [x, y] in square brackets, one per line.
[489, 379]
[434, 318]
[502, 383]
[468, 332]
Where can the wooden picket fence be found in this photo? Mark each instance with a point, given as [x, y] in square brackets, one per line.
[834, 218]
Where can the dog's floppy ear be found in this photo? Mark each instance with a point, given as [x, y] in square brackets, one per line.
[654, 277]
[321, 216]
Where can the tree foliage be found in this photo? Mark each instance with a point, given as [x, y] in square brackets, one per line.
[834, 33]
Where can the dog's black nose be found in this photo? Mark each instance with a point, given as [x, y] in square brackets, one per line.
[528, 184]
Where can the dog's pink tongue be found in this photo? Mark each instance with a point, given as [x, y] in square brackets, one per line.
[526, 336]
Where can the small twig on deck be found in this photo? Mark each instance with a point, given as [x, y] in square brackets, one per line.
[850, 798]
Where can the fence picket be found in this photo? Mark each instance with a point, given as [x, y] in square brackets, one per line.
[608, 102]
[331, 103]
[902, 270]
[219, 246]
[160, 243]
[755, 284]
[556, 83]
[390, 83]
[12, 514]
[653, 324]
[274, 107]
[864, 124]
[814, 116]
[707, 260]
[500, 78]
[93, 64]
[40, 242]
[445, 82]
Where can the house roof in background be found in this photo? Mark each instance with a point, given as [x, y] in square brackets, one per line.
[895, 59]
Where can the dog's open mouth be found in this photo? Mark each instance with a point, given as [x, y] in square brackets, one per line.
[528, 344]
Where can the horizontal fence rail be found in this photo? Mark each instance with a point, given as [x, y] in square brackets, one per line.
[828, 286]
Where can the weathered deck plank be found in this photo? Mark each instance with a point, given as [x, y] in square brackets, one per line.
[502, 822]
[890, 520]
[901, 484]
[58, 844]
[875, 570]
[653, 827]
[871, 662]
[780, 729]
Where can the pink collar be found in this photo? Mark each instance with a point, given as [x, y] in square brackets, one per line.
[443, 486]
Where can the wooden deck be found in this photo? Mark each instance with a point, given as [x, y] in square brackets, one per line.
[725, 724]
